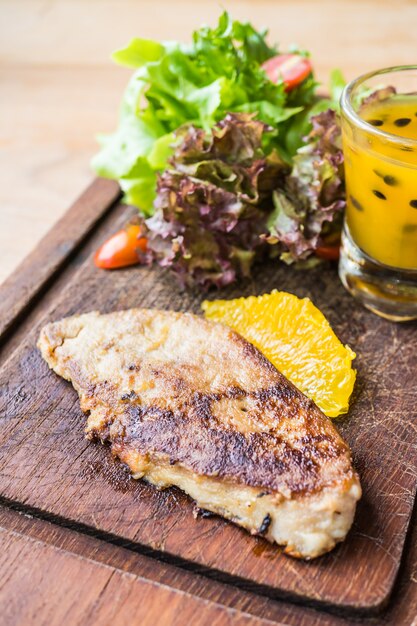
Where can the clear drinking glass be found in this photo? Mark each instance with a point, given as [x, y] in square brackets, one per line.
[378, 262]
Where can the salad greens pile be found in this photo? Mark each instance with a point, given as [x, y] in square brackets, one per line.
[197, 83]
[223, 204]
[213, 202]
[205, 144]
[311, 202]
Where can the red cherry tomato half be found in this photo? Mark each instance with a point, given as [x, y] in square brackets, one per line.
[121, 249]
[330, 253]
[290, 68]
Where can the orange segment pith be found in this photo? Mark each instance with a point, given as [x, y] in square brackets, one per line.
[296, 337]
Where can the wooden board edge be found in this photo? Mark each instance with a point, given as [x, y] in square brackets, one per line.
[70, 254]
[401, 606]
[353, 610]
[19, 290]
[146, 589]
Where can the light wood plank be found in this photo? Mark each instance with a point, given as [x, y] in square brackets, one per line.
[47, 586]
[401, 611]
[353, 34]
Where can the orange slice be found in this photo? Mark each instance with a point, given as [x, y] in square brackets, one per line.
[296, 337]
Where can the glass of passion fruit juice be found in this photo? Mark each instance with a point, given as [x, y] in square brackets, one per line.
[378, 262]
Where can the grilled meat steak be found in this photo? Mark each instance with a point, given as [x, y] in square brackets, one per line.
[188, 402]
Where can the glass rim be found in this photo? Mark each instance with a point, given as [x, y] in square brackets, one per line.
[347, 109]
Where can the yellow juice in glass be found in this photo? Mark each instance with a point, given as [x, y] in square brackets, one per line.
[381, 182]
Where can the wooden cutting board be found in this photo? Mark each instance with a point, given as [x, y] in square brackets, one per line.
[47, 466]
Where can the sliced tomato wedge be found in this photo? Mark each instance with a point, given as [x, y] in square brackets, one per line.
[330, 253]
[290, 68]
[122, 248]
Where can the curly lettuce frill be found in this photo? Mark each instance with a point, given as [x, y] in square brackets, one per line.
[223, 204]
[312, 201]
[213, 202]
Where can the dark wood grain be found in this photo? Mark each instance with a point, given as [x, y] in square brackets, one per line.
[39, 267]
[45, 462]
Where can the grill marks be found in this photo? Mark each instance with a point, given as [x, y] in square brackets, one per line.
[194, 438]
[266, 522]
[249, 425]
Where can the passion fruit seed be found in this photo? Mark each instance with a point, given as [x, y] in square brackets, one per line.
[402, 121]
[356, 204]
[390, 180]
[413, 204]
[409, 228]
[376, 122]
[379, 194]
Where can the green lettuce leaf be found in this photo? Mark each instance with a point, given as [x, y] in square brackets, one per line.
[138, 52]
[198, 83]
[301, 125]
[336, 85]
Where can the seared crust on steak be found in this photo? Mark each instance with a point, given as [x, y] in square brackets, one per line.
[190, 402]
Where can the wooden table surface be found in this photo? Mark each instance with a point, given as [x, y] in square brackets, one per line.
[58, 87]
